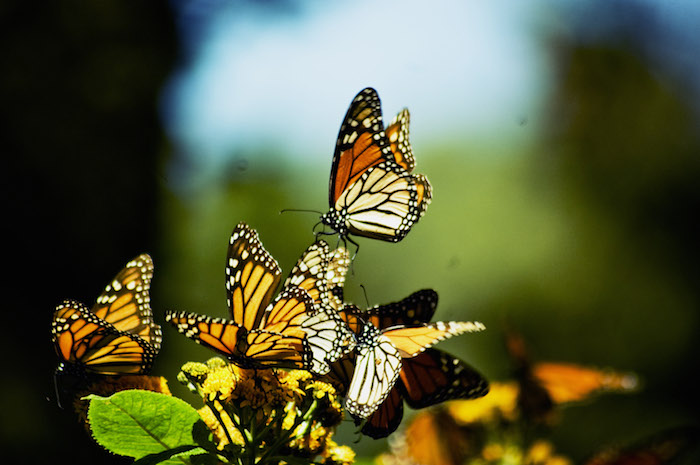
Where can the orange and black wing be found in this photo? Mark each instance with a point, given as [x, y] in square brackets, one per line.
[417, 308]
[397, 134]
[248, 349]
[386, 418]
[126, 304]
[252, 277]
[361, 144]
[411, 340]
[436, 376]
[569, 382]
[323, 336]
[86, 343]
[309, 273]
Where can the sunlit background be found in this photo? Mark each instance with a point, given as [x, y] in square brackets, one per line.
[560, 137]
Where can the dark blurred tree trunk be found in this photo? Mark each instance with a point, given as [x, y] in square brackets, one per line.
[82, 142]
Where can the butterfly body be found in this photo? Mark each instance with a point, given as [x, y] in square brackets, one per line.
[372, 192]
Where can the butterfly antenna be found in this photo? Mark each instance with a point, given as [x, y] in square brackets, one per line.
[300, 210]
[344, 241]
[55, 387]
[364, 291]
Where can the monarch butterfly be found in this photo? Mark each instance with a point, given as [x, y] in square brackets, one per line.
[543, 385]
[117, 335]
[372, 192]
[287, 332]
[429, 377]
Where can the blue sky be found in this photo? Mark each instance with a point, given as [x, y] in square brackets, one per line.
[281, 74]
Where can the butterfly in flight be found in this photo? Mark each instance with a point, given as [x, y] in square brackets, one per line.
[287, 332]
[372, 192]
[544, 385]
[117, 336]
[425, 376]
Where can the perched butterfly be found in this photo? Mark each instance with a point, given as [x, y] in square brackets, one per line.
[287, 332]
[118, 335]
[427, 376]
[372, 192]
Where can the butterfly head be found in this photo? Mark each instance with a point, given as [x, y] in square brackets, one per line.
[336, 221]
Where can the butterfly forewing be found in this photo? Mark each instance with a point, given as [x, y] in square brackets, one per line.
[361, 143]
[397, 134]
[125, 302]
[413, 339]
[252, 277]
[417, 308]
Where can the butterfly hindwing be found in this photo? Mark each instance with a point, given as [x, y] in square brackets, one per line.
[435, 376]
[377, 367]
[125, 302]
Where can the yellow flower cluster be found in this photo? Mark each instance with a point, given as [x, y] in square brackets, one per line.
[268, 413]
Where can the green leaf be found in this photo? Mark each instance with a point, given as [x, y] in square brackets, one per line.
[145, 425]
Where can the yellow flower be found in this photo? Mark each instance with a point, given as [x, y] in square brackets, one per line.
[492, 452]
[337, 455]
[195, 371]
[219, 383]
[212, 422]
[542, 453]
[292, 384]
[500, 402]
